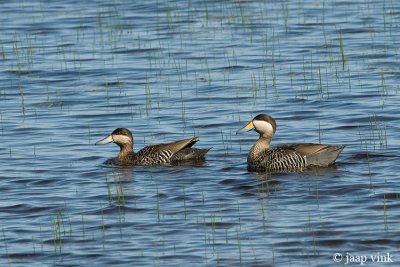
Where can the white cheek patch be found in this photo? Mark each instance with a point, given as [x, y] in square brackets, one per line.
[264, 127]
[121, 139]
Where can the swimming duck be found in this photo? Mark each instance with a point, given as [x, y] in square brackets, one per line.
[285, 158]
[161, 154]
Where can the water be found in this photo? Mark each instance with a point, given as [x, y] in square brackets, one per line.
[72, 71]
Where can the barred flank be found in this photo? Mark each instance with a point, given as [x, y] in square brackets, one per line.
[163, 156]
[156, 157]
[279, 159]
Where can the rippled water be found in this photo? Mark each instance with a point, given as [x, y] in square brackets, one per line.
[73, 71]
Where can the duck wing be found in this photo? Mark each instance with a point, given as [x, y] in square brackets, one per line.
[162, 153]
[189, 153]
[316, 154]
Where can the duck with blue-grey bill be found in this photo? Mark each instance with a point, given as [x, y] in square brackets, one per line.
[161, 154]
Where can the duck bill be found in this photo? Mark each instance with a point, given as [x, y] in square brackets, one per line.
[106, 140]
[248, 127]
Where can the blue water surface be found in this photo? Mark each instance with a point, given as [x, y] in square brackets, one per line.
[73, 71]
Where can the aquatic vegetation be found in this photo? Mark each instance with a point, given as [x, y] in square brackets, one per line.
[343, 57]
[22, 101]
[5, 246]
[385, 215]
[58, 231]
[226, 139]
[378, 133]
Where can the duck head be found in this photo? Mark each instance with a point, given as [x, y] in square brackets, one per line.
[120, 136]
[263, 124]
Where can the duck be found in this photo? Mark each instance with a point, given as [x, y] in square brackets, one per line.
[158, 154]
[288, 157]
